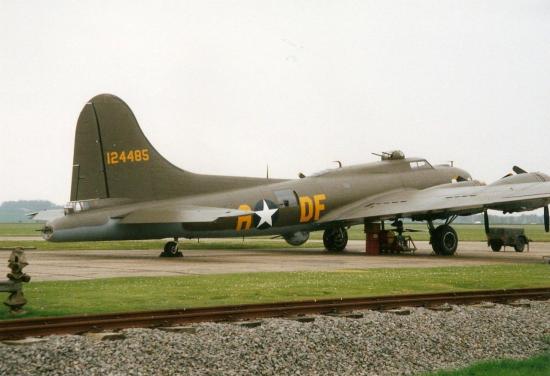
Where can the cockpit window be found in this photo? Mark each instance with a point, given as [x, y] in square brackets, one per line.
[420, 165]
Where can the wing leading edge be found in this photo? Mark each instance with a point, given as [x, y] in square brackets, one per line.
[462, 198]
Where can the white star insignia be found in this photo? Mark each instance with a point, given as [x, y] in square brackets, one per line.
[265, 215]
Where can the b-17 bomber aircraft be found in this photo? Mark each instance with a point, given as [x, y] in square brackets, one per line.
[123, 189]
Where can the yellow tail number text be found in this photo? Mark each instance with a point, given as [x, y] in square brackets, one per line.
[127, 156]
[311, 208]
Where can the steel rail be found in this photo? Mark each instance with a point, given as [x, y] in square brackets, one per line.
[20, 328]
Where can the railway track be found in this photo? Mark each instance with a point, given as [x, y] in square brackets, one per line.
[20, 328]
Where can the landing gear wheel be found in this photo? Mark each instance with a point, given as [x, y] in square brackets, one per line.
[444, 240]
[520, 244]
[496, 245]
[335, 239]
[171, 250]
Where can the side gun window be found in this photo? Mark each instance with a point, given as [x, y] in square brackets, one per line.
[76, 206]
[286, 198]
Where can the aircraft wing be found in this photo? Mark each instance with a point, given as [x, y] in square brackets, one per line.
[46, 215]
[179, 214]
[464, 198]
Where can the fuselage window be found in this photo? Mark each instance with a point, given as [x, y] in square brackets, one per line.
[286, 198]
[420, 165]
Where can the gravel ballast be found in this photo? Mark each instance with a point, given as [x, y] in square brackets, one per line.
[377, 344]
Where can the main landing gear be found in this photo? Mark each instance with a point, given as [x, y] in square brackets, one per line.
[171, 249]
[443, 238]
[335, 239]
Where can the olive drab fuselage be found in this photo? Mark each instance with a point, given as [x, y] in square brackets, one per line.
[292, 205]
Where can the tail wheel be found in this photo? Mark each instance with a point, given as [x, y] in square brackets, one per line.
[444, 240]
[335, 239]
[171, 250]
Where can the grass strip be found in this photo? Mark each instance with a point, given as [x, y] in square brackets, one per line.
[20, 229]
[56, 298]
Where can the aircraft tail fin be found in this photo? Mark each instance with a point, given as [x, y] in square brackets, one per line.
[114, 159]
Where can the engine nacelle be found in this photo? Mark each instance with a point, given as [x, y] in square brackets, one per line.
[297, 238]
[526, 177]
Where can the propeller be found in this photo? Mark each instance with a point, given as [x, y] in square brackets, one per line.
[546, 219]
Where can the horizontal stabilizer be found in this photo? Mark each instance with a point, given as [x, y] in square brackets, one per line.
[46, 215]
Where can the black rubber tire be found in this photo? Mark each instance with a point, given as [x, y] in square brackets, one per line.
[171, 250]
[335, 239]
[520, 244]
[435, 247]
[444, 240]
[496, 245]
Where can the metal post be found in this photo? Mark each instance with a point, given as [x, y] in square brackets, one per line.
[16, 300]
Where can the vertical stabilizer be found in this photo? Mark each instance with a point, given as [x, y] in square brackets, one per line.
[114, 159]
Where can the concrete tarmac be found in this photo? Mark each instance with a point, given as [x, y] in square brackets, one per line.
[91, 264]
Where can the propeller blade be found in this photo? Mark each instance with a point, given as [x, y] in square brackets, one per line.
[486, 221]
[519, 170]
[546, 219]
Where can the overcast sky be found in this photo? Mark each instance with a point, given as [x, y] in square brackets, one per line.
[228, 87]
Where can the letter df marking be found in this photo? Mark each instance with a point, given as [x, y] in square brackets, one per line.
[311, 208]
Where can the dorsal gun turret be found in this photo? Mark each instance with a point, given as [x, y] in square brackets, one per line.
[394, 155]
